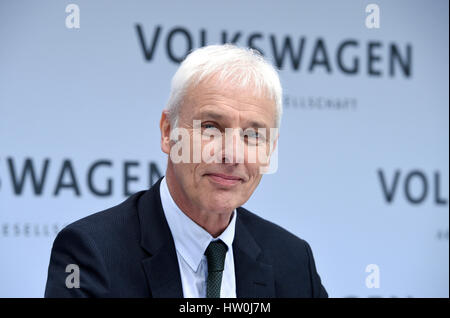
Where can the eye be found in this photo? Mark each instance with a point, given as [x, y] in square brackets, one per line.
[253, 134]
[208, 125]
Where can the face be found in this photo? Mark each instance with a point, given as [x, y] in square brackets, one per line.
[229, 181]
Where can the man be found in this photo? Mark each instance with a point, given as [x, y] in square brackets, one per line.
[188, 236]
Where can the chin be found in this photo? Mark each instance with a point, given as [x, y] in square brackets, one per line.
[220, 205]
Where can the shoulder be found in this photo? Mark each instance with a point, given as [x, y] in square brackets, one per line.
[290, 257]
[118, 222]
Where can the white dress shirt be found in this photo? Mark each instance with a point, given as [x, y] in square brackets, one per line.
[191, 241]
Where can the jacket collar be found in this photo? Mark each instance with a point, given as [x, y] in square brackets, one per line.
[191, 240]
[253, 278]
[161, 268]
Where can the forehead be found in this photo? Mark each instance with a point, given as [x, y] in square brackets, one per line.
[227, 100]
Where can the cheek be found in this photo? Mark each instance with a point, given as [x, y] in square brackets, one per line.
[196, 172]
[255, 178]
[263, 153]
[252, 170]
[186, 172]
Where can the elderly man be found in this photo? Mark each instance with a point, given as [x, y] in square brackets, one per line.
[188, 236]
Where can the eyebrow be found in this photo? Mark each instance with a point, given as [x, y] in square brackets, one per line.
[210, 114]
[218, 116]
[257, 124]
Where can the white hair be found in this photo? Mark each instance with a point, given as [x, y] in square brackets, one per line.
[241, 66]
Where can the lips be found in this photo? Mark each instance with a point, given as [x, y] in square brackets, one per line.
[224, 176]
[224, 179]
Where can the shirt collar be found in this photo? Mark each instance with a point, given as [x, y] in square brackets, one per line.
[191, 240]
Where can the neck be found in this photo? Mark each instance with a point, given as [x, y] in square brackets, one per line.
[212, 222]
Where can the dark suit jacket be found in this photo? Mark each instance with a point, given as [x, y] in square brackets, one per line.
[128, 251]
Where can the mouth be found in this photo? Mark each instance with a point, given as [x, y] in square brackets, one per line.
[224, 179]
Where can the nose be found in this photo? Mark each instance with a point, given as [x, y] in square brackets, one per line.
[233, 147]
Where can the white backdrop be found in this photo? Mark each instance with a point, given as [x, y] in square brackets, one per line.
[363, 153]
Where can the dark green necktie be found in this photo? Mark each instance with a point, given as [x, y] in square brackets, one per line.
[215, 255]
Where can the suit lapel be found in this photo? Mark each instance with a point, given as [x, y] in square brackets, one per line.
[161, 268]
[163, 274]
[254, 279]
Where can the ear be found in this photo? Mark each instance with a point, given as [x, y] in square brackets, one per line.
[164, 126]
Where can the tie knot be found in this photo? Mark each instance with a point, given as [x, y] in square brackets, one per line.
[215, 255]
